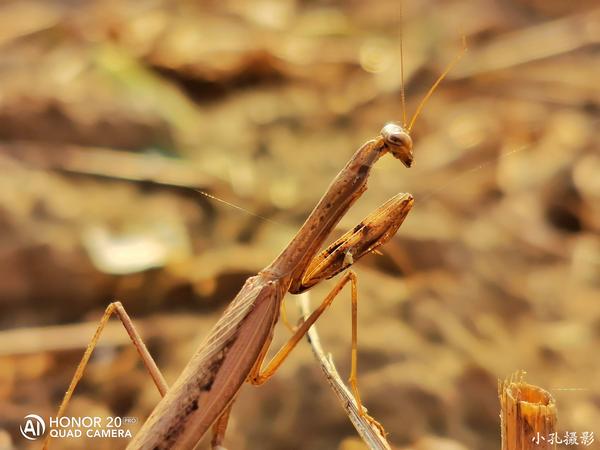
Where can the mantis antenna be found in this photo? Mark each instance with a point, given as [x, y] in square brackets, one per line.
[449, 67]
[402, 93]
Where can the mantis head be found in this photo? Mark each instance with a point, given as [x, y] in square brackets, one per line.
[399, 143]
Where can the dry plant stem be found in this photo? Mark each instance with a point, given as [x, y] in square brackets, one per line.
[526, 411]
[368, 431]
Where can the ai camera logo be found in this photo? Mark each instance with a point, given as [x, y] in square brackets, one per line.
[33, 428]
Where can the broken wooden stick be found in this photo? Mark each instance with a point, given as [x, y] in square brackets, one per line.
[528, 417]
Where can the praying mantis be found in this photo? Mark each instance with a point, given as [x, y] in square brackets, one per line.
[235, 349]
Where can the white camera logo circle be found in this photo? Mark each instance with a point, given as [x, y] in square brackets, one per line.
[33, 428]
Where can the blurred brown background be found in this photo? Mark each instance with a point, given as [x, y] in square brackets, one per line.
[112, 113]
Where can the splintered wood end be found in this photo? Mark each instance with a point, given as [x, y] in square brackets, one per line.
[528, 415]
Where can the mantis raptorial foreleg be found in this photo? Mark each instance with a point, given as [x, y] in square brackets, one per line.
[372, 232]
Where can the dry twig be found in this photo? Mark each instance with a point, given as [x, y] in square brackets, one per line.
[367, 431]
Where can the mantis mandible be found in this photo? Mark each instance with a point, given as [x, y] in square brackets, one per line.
[235, 349]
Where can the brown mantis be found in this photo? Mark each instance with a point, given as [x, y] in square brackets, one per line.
[236, 347]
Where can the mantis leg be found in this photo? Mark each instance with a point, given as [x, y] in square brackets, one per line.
[374, 230]
[284, 317]
[258, 376]
[219, 428]
[366, 237]
[119, 310]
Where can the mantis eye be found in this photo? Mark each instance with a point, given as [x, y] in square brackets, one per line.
[398, 142]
